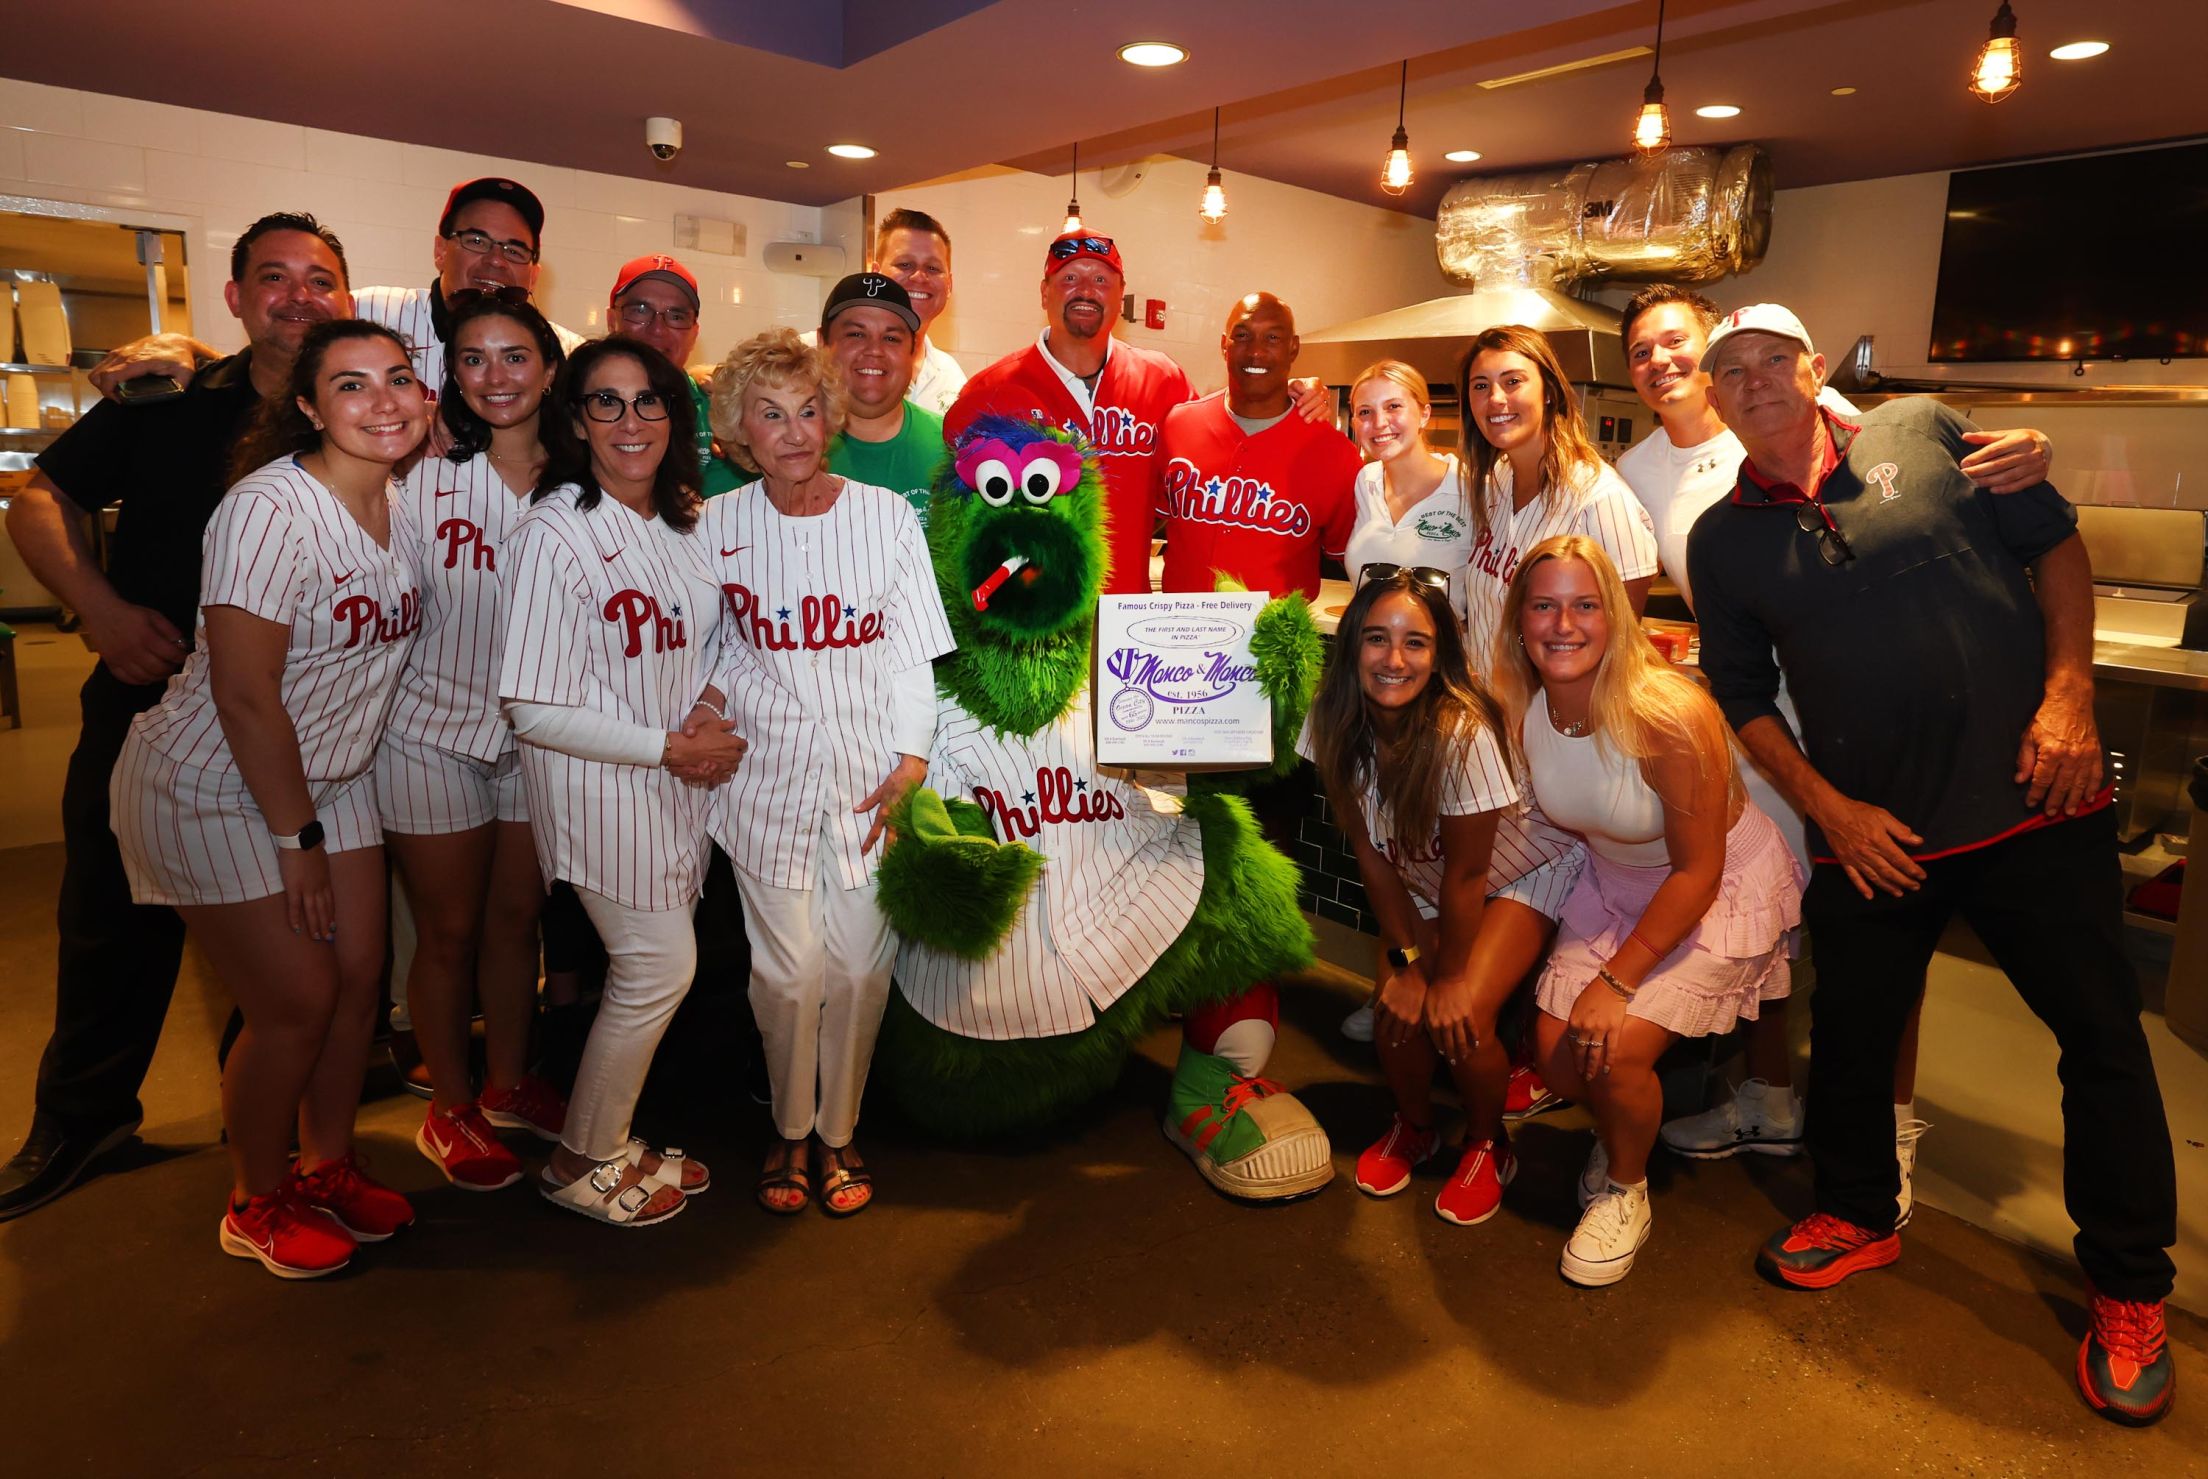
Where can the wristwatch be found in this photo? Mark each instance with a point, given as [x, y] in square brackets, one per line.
[1400, 956]
[306, 839]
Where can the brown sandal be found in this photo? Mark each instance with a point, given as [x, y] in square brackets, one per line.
[835, 1176]
[787, 1174]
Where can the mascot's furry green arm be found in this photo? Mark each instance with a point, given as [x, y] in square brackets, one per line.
[1042, 877]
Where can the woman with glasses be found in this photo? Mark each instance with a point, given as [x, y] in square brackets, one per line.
[246, 798]
[833, 599]
[1409, 748]
[1683, 922]
[448, 777]
[613, 633]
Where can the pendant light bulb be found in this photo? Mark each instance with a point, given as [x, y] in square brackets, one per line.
[1395, 170]
[2000, 65]
[1652, 125]
[1213, 208]
[1073, 204]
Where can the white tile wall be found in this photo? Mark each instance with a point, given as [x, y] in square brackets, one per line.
[382, 198]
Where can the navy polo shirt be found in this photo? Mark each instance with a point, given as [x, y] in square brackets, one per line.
[1917, 665]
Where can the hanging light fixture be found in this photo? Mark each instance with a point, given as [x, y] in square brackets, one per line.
[1214, 207]
[1652, 129]
[1073, 206]
[1395, 174]
[2000, 64]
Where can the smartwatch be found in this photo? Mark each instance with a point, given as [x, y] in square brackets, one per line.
[1400, 956]
[306, 839]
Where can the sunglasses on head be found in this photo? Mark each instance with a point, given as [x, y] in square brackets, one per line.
[512, 295]
[1425, 575]
[1833, 548]
[1074, 246]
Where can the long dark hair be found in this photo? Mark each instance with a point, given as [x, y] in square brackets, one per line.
[1566, 451]
[471, 433]
[1408, 767]
[279, 428]
[567, 454]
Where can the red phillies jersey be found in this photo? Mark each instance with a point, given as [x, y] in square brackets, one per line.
[1259, 508]
[1133, 394]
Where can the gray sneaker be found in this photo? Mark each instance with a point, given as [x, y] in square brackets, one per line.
[1906, 1135]
[1594, 1176]
[1357, 1026]
[1744, 1122]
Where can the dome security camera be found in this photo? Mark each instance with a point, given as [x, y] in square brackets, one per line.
[663, 136]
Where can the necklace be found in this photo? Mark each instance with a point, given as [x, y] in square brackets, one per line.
[514, 461]
[1577, 729]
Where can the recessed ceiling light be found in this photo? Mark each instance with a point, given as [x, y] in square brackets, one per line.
[1461, 156]
[1152, 54]
[1717, 110]
[798, 163]
[1843, 92]
[2078, 51]
[850, 151]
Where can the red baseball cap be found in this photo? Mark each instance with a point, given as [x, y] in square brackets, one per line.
[1075, 245]
[661, 266]
[504, 191]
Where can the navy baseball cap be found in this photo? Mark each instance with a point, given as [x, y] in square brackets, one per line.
[504, 191]
[869, 290]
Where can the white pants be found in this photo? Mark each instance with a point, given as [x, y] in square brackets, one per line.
[651, 954]
[820, 964]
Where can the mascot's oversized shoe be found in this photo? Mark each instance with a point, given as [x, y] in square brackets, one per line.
[1249, 1137]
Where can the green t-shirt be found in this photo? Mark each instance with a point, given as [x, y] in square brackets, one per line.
[905, 464]
[718, 473]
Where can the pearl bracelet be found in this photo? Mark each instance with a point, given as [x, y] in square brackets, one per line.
[1625, 992]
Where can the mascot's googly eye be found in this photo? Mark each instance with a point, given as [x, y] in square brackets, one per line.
[993, 481]
[1039, 480]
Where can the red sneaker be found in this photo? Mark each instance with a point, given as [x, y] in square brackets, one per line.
[466, 1149]
[291, 1239]
[1386, 1166]
[1821, 1250]
[532, 1105]
[1475, 1191]
[2125, 1370]
[1526, 1096]
[368, 1211]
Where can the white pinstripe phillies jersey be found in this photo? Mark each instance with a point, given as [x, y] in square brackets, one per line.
[831, 608]
[1597, 504]
[618, 614]
[281, 547]
[410, 313]
[1123, 872]
[462, 513]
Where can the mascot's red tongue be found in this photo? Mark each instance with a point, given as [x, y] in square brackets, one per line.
[997, 577]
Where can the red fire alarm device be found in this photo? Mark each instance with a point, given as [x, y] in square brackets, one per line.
[1153, 313]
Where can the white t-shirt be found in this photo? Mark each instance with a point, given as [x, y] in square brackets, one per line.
[1436, 531]
[1598, 504]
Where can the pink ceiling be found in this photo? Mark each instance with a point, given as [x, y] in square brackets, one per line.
[944, 85]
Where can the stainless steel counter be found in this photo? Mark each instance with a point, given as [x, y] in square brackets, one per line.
[2157, 667]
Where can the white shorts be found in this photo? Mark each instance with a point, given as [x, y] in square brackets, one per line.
[423, 791]
[192, 836]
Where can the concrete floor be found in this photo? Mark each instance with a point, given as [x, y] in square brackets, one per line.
[1085, 1306]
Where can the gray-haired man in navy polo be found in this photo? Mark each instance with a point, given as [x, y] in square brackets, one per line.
[1939, 645]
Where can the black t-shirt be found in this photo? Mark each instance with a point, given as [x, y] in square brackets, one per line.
[1916, 666]
[167, 463]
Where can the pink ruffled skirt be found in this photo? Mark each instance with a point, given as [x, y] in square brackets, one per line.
[1737, 959]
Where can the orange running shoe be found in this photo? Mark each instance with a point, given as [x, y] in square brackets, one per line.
[2125, 1370]
[1821, 1250]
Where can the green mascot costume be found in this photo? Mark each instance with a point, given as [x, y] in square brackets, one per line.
[1051, 911]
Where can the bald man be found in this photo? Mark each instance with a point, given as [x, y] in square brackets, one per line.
[1249, 489]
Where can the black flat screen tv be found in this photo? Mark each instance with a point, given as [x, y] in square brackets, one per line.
[2096, 258]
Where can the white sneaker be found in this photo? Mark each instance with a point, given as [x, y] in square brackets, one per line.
[1357, 1026]
[1595, 1176]
[1610, 1232]
[1758, 1117]
[1906, 1135]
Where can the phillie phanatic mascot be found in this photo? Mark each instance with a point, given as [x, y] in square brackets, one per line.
[1052, 912]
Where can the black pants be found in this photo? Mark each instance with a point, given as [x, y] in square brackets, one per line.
[118, 960]
[2047, 906]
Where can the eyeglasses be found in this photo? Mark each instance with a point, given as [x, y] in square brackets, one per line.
[640, 316]
[1812, 517]
[1425, 575]
[513, 295]
[1074, 246]
[482, 244]
[605, 406]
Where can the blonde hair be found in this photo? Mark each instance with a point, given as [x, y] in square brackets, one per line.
[778, 359]
[1641, 706]
[1566, 455]
[1413, 383]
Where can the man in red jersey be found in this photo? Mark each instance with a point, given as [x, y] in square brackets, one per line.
[1074, 376]
[1249, 489]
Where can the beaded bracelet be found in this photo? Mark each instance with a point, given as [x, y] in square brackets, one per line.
[1625, 992]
